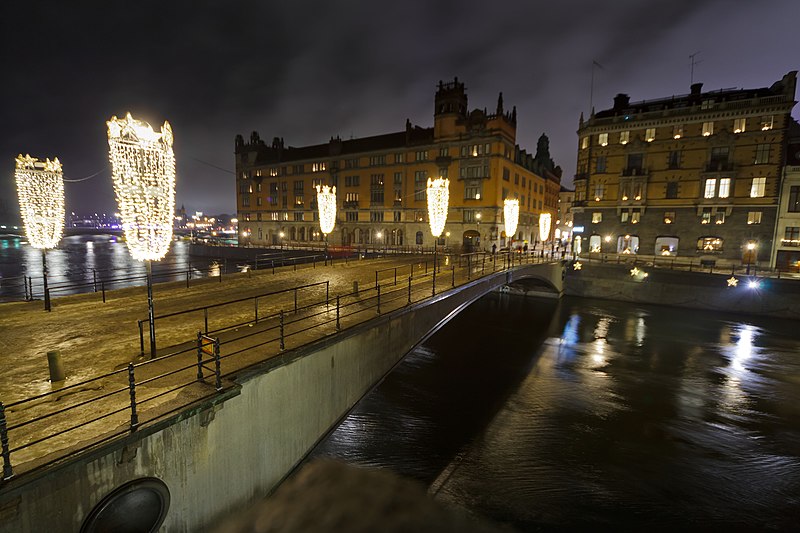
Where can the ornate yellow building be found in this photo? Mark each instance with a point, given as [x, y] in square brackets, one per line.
[696, 175]
[381, 182]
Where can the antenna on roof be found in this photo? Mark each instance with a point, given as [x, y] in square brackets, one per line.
[693, 63]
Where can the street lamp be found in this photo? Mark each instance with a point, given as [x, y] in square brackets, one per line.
[40, 186]
[143, 170]
[438, 192]
[751, 246]
[326, 203]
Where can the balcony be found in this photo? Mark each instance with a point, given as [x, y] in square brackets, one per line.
[634, 171]
[350, 205]
[719, 166]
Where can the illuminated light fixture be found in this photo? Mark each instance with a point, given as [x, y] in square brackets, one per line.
[732, 281]
[635, 271]
[326, 201]
[143, 168]
[607, 238]
[438, 192]
[40, 186]
[544, 226]
[624, 198]
[596, 198]
[753, 284]
[510, 216]
[577, 266]
[637, 198]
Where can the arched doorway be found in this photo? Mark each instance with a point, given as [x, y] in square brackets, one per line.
[471, 240]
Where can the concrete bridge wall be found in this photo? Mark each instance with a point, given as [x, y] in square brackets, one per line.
[226, 451]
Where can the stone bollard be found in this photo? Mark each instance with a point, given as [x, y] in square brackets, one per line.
[355, 287]
[56, 366]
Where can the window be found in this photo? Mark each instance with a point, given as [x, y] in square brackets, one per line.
[794, 199]
[724, 187]
[584, 143]
[597, 217]
[474, 171]
[623, 217]
[711, 186]
[421, 155]
[376, 216]
[298, 216]
[677, 131]
[297, 169]
[635, 162]
[506, 174]
[352, 216]
[377, 160]
[674, 160]
[284, 215]
[766, 123]
[419, 216]
[762, 154]
[601, 163]
[706, 216]
[274, 172]
[708, 129]
[599, 189]
[739, 125]
[635, 216]
[754, 217]
[400, 158]
[709, 244]
[516, 179]
[319, 167]
[258, 200]
[352, 181]
[707, 104]
[469, 215]
[298, 187]
[351, 163]
[624, 137]
[669, 217]
[420, 183]
[472, 190]
[719, 217]
[602, 139]
[523, 182]
[398, 216]
[246, 201]
[791, 236]
[273, 216]
[757, 188]
[419, 237]
[351, 199]
[444, 152]
[650, 134]
[719, 158]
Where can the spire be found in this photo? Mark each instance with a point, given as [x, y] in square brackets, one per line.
[514, 115]
[500, 104]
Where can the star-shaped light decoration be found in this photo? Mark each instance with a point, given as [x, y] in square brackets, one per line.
[578, 265]
[52, 166]
[635, 272]
[732, 281]
[25, 161]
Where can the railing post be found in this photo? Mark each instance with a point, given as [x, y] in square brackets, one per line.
[187, 278]
[132, 387]
[94, 279]
[217, 372]
[483, 265]
[338, 326]
[395, 275]
[255, 303]
[141, 338]
[8, 472]
[30, 284]
[200, 356]
[376, 279]
[409, 289]
[453, 283]
[327, 293]
[379, 299]
[205, 319]
[283, 346]
[103, 288]
[469, 267]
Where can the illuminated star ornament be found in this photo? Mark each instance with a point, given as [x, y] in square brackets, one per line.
[635, 271]
[40, 185]
[732, 282]
[143, 168]
[578, 265]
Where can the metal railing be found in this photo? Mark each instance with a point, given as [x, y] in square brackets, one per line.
[690, 264]
[35, 432]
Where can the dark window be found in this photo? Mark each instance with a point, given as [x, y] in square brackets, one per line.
[506, 174]
[672, 189]
[719, 158]
[635, 161]
[794, 199]
[674, 159]
[601, 163]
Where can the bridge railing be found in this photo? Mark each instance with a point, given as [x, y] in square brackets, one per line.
[36, 431]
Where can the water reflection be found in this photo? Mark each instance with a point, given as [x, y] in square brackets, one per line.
[620, 417]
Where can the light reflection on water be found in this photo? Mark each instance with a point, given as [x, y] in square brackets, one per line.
[591, 414]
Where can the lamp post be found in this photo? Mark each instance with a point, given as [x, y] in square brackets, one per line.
[478, 217]
[751, 247]
[40, 186]
[438, 193]
[510, 220]
[143, 169]
[326, 203]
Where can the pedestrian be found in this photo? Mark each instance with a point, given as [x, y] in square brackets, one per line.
[494, 248]
[525, 248]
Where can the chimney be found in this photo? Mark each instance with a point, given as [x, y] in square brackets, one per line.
[696, 88]
[621, 101]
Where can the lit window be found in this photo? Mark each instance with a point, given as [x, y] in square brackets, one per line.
[719, 217]
[669, 217]
[724, 187]
[318, 167]
[422, 155]
[739, 125]
[766, 123]
[623, 217]
[709, 244]
[708, 129]
[650, 134]
[599, 189]
[677, 132]
[602, 139]
[273, 172]
[635, 217]
[584, 143]
[597, 217]
[706, 216]
[754, 217]
[624, 137]
[757, 188]
[711, 186]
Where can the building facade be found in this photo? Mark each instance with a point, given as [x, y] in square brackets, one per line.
[381, 182]
[786, 252]
[564, 219]
[697, 175]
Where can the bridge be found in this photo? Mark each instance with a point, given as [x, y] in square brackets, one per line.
[261, 393]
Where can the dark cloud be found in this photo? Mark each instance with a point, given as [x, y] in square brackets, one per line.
[309, 70]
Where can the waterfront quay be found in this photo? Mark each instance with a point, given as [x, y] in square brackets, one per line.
[206, 332]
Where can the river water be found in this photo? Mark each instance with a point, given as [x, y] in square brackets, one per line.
[588, 414]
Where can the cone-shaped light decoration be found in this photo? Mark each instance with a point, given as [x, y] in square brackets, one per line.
[438, 198]
[40, 185]
[143, 167]
[326, 203]
[511, 216]
[544, 226]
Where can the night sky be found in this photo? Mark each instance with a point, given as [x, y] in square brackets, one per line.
[307, 71]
